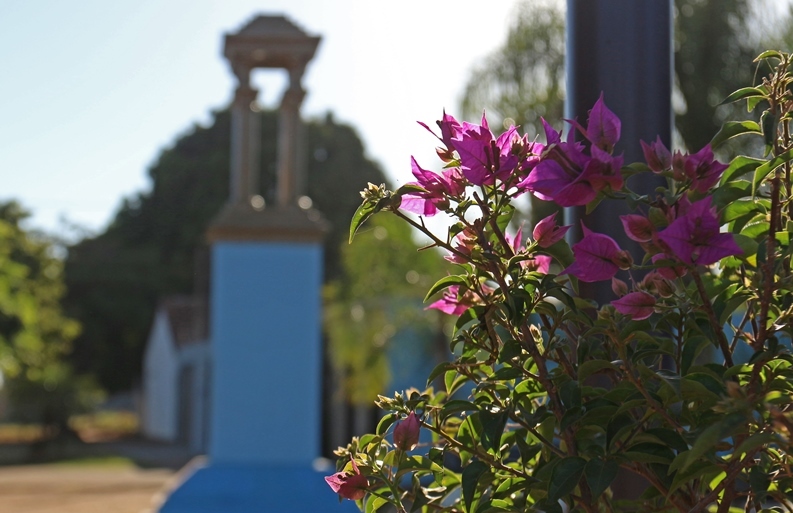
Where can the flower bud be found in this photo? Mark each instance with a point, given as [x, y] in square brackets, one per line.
[619, 287]
[623, 260]
[547, 233]
[406, 433]
[637, 227]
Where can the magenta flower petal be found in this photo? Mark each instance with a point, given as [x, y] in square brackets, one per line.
[637, 227]
[636, 305]
[349, 486]
[695, 238]
[406, 433]
[703, 170]
[549, 181]
[539, 263]
[515, 242]
[657, 156]
[473, 144]
[417, 205]
[547, 233]
[451, 303]
[436, 188]
[603, 126]
[597, 257]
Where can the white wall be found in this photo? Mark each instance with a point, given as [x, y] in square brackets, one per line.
[160, 391]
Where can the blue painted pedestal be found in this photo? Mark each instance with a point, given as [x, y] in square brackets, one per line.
[265, 324]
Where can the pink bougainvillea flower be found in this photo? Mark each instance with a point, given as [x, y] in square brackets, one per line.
[436, 187]
[547, 233]
[552, 136]
[603, 126]
[656, 283]
[464, 243]
[569, 177]
[450, 128]
[618, 287]
[482, 158]
[636, 305]
[703, 171]
[657, 156]
[406, 433]
[349, 486]
[597, 257]
[452, 302]
[637, 227]
[670, 272]
[550, 182]
[515, 242]
[603, 171]
[538, 263]
[695, 238]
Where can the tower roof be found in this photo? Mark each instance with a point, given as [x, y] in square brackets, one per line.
[270, 42]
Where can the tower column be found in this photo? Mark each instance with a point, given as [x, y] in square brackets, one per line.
[245, 143]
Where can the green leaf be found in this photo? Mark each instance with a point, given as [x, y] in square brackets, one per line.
[438, 370]
[493, 425]
[769, 121]
[742, 207]
[373, 503]
[385, 423]
[408, 188]
[565, 477]
[699, 470]
[740, 94]
[591, 367]
[705, 442]
[762, 171]
[457, 406]
[730, 192]
[754, 441]
[738, 167]
[732, 129]
[599, 475]
[446, 281]
[768, 54]
[364, 212]
[470, 478]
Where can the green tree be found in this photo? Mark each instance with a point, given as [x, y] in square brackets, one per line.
[35, 335]
[715, 42]
[524, 79]
[155, 245]
[381, 294]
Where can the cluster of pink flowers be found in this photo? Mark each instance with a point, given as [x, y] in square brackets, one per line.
[678, 232]
[352, 484]
[572, 173]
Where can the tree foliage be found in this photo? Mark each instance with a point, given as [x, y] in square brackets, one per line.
[524, 79]
[155, 244]
[35, 335]
[381, 295]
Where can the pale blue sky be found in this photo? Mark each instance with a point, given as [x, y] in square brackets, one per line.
[92, 90]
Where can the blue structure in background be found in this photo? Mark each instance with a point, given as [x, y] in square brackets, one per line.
[265, 317]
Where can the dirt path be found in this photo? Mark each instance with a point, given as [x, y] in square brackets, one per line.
[81, 488]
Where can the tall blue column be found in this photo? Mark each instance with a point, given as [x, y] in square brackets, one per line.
[265, 345]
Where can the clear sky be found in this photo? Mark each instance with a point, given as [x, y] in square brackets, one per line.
[92, 90]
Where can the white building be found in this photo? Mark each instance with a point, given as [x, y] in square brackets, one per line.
[176, 374]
